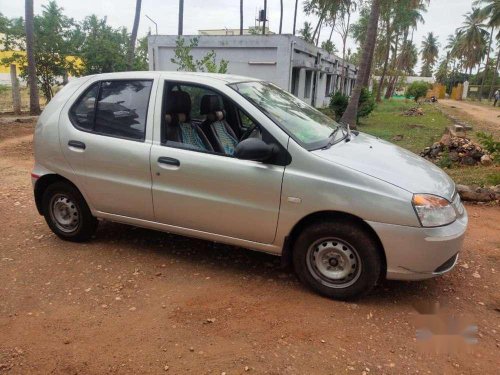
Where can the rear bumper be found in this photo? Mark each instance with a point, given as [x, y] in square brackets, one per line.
[420, 253]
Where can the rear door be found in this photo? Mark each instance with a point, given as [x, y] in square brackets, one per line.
[106, 137]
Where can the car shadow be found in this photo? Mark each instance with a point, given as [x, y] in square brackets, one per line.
[245, 262]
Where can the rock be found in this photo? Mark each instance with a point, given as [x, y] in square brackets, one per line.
[468, 160]
[445, 140]
[475, 194]
[486, 160]
[453, 155]
[209, 320]
[166, 368]
[398, 137]
[476, 275]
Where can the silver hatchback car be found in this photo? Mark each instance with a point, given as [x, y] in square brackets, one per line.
[238, 160]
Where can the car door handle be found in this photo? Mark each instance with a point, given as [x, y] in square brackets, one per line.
[169, 161]
[77, 144]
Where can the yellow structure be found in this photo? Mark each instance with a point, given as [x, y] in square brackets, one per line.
[456, 92]
[438, 90]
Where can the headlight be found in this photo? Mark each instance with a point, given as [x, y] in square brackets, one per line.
[433, 211]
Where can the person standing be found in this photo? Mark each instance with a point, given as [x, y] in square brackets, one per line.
[497, 97]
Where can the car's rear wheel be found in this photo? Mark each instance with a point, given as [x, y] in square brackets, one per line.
[340, 260]
[67, 213]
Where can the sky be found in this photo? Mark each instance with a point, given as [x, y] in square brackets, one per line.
[442, 17]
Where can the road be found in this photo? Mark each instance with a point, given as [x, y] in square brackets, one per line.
[486, 117]
[138, 301]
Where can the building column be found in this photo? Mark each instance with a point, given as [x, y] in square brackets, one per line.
[302, 83]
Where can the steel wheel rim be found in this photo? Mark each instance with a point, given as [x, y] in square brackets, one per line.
[64, 213]
[334, 262]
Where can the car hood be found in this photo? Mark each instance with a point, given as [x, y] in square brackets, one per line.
[390, 163]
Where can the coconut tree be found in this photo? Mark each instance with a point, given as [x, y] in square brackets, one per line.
[430, 52]
[350, 114]
[30, 55]
[133, 36]
[490, 11]
[473, 39]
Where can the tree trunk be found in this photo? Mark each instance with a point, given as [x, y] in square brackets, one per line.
[495, 75]
[133, 36]
[265, 17]
[181, 17]
[30, 54]
[351, 112]
[319, 32]
[388, 92]
[386, 62]
[318, 25]
[344, 42]
[281, 15]
[486, 66]
[367, 75]
[16, 93]
[241, 17]
[295, 16]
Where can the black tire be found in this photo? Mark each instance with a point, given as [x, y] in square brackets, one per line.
[81, 225]
[336, 241]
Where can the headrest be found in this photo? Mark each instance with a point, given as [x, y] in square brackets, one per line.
[178, 102]
[216, 116]
[210, 104]
[179, 117]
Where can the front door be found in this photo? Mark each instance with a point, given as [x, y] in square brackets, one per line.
[211, 191]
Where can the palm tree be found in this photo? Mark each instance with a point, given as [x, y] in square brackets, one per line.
[30, 54]
[281, 15]
[491, 11]
[295, 16]
[181, 17]
[133, 36]
[430, 52]
[473, 39]
[350, 114]
[241, 17]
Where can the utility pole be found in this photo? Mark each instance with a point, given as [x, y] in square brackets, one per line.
[181, 17]
[265, 16]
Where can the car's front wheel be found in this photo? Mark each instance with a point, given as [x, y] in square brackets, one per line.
[338, 259]
[67, 213]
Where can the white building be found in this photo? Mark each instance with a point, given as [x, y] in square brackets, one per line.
[305, 70]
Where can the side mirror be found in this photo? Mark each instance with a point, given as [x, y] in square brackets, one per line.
[254, 149]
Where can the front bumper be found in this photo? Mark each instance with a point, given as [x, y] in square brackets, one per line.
[420, 253]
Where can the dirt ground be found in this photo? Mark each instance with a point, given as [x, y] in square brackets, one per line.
[487, 117]
[139, 301]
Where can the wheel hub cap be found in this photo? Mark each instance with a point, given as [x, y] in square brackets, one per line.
[334, 262]
[65, 213]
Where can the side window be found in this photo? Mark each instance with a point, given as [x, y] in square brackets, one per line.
[196, 94]
[122, 108]
[246, 122]
[82, 112]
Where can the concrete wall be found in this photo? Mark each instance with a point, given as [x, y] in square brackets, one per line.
[285, 60]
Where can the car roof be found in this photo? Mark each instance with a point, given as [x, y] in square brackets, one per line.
[202, 77]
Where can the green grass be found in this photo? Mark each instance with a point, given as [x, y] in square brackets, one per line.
[418, 132]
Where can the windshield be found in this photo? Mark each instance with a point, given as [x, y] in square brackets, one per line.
[303, 123]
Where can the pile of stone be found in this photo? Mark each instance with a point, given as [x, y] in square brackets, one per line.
[459, 150]
[415, 111]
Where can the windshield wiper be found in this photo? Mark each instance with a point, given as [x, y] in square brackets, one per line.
[331, 137]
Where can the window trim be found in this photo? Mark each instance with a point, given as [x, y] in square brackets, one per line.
[99, 84]
[167, 81]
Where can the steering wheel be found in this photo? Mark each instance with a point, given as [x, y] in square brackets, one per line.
[248, 132]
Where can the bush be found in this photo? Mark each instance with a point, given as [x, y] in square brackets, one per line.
[490, 144]
[338, 103]
[417, 90]
[366, 103]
